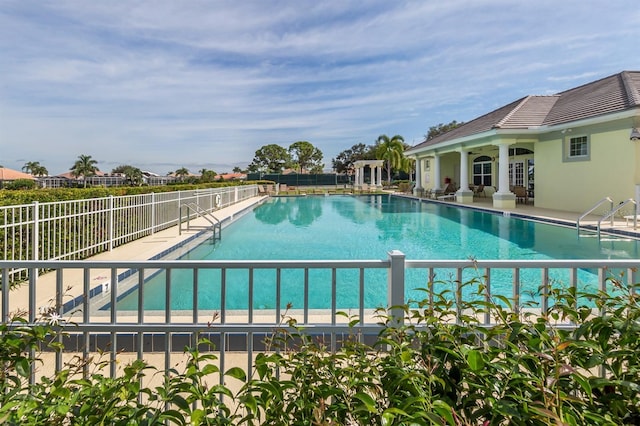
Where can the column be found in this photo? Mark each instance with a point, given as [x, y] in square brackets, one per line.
[503, 198]
[436, 172]
[417, 190]
[379, 175]
[503, 169]
[464, 194]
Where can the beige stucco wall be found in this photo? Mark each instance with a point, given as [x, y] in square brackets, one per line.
[577, 185]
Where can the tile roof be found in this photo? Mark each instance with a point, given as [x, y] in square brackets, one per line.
[9, 174]
[608, 95]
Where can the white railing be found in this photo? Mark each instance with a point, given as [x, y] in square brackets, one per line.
[98, 323]
[82, 228]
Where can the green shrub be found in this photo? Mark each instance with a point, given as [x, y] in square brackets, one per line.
[524, 369]
[21, 184]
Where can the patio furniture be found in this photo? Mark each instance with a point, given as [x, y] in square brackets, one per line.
[521, 194]
[479, 190]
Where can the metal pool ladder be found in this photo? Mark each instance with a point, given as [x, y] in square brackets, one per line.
[609, 215]
[216, 224]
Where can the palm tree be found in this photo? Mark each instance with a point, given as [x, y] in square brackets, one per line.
[181, 173]
[390, 150]
[39, 171]
[85, 166]
[30, 166]
[408, 165]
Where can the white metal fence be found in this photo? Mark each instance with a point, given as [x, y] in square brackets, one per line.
[82, 228]
[95, 322]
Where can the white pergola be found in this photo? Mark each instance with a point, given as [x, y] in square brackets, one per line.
[376, 172]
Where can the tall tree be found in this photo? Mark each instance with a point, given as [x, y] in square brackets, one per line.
[408, 165]
[441, 129]
[84, 166]
[207, 175]
[344, 161]
[306, 156]
[391, 150]
[133, 174]
[181, 173]
[35, 168]
[30, 166]
[270, 158]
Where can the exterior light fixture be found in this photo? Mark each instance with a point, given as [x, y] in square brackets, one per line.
[635, 134]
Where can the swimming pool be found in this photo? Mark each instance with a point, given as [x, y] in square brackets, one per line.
[363, 227]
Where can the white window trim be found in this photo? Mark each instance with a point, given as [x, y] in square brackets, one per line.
[566, 149]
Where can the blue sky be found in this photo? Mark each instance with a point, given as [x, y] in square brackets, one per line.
[203, 84]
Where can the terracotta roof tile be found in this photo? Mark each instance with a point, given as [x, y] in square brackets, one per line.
[9, 174]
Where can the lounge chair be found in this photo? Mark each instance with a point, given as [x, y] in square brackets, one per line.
[449, 193]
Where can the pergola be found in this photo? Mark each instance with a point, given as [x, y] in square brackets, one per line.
[376, 172]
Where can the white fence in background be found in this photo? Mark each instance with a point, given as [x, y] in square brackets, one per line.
[79, 229]
[97, 323]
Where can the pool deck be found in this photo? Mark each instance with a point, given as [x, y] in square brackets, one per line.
[530, 212]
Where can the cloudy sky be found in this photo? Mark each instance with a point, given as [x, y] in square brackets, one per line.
[164, 84]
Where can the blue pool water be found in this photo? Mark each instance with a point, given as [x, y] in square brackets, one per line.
[367, 227]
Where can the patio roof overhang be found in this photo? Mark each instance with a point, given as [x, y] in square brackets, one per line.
[494, 135]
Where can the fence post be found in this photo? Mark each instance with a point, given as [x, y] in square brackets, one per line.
[395, 289]
[111, 230]
[36, 231]
[153, 213]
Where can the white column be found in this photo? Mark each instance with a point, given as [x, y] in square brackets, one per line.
[503, 198]
[418, 173]
[379, 168]
[464, 170]
[436, 172]
[357, 182]
[464, 194]
[503, 169]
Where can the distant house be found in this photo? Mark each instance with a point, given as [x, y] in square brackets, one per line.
[9, 175]
[232, 176]
[567, 151]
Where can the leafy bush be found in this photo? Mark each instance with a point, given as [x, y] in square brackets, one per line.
[574, 364]
[21, 184]
[44, 195]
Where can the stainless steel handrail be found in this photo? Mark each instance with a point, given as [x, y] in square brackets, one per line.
[612, 213]
[595, 206]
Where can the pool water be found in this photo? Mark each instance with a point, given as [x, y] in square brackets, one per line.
[365, 227]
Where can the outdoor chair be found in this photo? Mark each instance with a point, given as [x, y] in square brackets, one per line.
[479, 190]
[450, 189]
[521, 194]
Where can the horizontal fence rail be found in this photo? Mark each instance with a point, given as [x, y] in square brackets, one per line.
[77, 229]
[127, 307]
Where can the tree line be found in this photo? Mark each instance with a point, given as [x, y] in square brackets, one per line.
[301, 156]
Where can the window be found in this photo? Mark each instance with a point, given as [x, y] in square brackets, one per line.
[427, 165]
[577, 149]
[482, 171]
